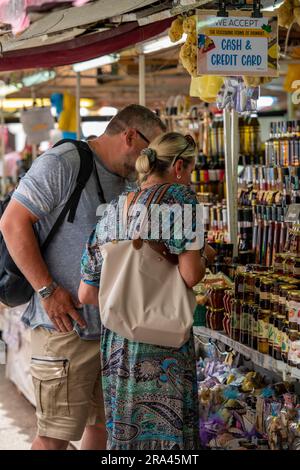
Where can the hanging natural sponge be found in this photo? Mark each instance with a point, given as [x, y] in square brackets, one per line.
[176, 30]
[189, 24]
[285, 14]
[297, 14]
[188, 57]
[188, 52]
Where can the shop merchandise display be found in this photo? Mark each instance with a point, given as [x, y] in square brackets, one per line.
[236, 95]
[242, 410]
[263, 309]
[208, 179]
[267, 186]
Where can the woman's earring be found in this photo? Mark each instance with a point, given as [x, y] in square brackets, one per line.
[179, 177]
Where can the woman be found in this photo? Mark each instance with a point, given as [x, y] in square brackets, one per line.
[150, 392]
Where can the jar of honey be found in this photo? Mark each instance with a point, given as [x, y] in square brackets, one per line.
[257, 289]
[265, 294]
[263, 330]
[254, 326]
[296, 272]
[293, 309]
[271, 333]
[294, 349]
[285, 342]
[216, 319]
[244, 333]
[236, 320]
[289, 264]
[239, 286]
[249, 287]
[278, 327]
[283, 295]
[278, 263]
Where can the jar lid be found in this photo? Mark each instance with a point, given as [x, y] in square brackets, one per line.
[266, 281]
[295, 293]
[286, 287]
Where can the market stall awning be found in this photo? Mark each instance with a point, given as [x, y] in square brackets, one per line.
[83, 47]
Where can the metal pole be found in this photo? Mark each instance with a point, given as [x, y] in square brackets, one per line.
[290, 107]
[142, 83]
[78, 121]
[231, 205]
[235, 146]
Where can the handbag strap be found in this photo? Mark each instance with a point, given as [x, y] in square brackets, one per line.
[134, 197]
[158, 247]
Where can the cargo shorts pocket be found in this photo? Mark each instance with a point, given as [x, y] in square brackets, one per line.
[50, 380]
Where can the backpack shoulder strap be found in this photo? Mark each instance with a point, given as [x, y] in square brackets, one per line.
[85, 171]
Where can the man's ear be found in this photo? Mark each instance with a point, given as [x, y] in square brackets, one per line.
[129, 136]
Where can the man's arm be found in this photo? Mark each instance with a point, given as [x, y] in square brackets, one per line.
[16, 226]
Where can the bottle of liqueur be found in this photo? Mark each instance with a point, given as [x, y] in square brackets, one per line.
[295, 157]
[269, 147]
[254, 139]
[276, 153]
[220, 138]
[214, 137]
[284, 143]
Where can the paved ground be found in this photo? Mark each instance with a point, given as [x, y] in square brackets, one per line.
[17, 417]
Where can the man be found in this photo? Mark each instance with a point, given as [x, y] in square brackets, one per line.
[65, 362]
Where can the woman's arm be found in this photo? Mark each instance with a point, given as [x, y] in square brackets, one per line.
[192, 265]
[88, 294]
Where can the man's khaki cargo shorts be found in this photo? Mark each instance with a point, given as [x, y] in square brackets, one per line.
[66, 376]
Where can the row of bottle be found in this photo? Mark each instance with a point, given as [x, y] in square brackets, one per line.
[215, 217]
[283, 146]
[282, 184]
[266, 310]
[249, 136]
[209, 176]
[270, 233]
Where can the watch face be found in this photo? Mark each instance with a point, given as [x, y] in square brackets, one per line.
[46, 291]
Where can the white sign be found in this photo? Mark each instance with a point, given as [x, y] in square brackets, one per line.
[237, 45]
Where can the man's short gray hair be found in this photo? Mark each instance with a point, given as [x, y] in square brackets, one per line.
[137, 117]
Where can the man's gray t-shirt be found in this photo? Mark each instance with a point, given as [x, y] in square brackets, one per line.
[44, 190]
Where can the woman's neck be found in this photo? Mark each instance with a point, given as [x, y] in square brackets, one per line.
[155, 180]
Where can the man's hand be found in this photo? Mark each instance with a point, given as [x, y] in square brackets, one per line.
[60, 306]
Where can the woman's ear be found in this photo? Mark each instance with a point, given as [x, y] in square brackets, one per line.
[179, 167]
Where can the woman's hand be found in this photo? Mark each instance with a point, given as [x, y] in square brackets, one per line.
[209, 253]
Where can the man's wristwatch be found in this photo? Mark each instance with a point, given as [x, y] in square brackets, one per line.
[46, 291]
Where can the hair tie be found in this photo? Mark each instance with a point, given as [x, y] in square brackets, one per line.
[151, 154]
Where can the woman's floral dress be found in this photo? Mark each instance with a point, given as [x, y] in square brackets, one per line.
[150, 392]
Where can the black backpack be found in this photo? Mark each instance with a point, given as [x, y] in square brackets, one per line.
[14, 288]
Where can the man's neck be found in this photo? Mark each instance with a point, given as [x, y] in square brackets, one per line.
[103, 149]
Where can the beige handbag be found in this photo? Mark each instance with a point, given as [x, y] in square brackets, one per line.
[142, 295]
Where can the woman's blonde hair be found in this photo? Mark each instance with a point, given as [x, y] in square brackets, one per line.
[162, 153]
